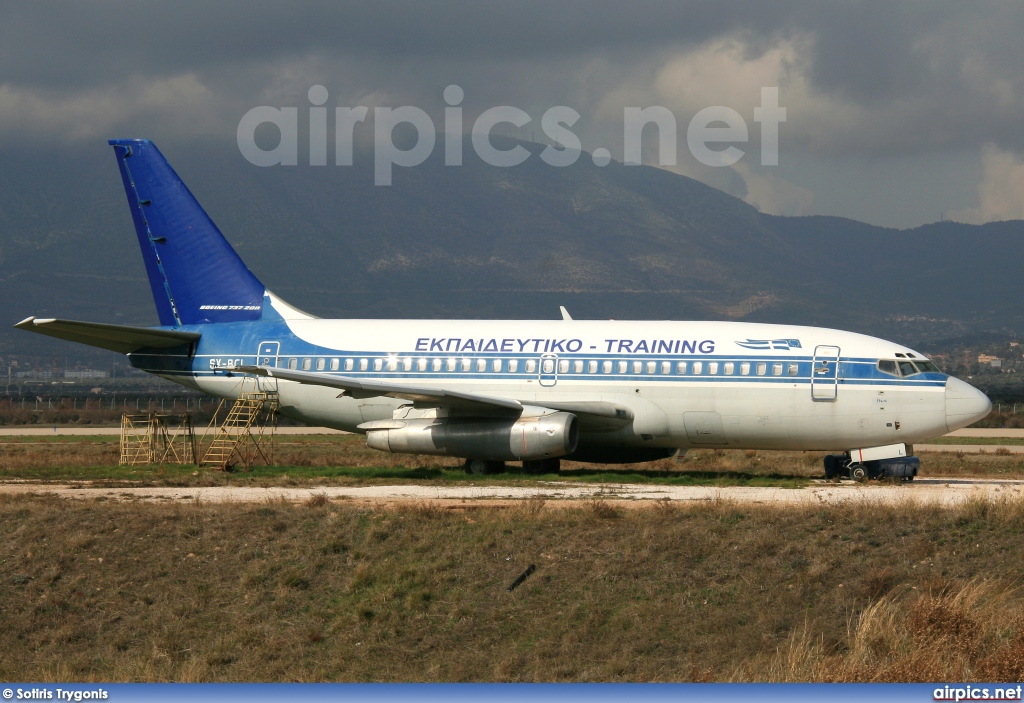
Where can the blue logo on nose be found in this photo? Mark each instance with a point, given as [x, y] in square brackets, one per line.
[765, 344]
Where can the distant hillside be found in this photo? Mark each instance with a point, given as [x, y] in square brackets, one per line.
[479, 241]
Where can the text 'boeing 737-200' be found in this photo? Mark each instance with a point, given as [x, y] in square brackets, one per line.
[512, 390]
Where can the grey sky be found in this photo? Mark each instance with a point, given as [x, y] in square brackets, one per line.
[898, 112]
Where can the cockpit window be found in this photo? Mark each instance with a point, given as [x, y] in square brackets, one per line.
[906, 368]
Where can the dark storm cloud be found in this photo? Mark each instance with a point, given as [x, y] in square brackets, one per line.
[866, 80]
[62, 44]
[868, 53]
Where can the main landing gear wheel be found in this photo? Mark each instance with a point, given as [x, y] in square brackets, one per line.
[858, 472]
[541, 466]
[482, 467]
[834, 466]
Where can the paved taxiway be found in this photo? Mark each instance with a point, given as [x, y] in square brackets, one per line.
[932, 491]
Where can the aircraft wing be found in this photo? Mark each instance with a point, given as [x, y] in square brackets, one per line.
[358, 388]
[600, 414]
[124, 339]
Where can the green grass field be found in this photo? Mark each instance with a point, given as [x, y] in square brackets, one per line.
[311, 460]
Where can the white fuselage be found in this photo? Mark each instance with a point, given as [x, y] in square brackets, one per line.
[688, 384]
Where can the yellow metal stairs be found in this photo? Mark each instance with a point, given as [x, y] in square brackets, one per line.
[243, 437]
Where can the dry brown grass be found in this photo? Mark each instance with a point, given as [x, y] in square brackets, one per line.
[971, 631]
[944, 627]
[329, 591]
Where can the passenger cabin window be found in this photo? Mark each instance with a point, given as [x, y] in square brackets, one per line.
[378, 364]
[466, 364]
[349, 363]
[681, 367]
[652, 367]
[306, 364]
[638, 367]
[392, 364]
[435, 365]
[421, 364]
[794, 369]
[577, 366]
[606, 367]
[713, 367]
[481, 365]
[513, 365]
[762, 368]
[563, 366]
[745, 368]
[729, 367]
[496, 365]
[591, 366]
[363, 364]
[320, 364]
[666, 367]
[623, 367]
[407, 363]
[449, 365]
[531, 366]
[293, 364]
[548, 365]
[698, 367]
[335, 363]
[776, 369]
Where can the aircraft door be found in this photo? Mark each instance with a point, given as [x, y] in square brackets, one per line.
[548, 372]
[825, 373]
[268, 355]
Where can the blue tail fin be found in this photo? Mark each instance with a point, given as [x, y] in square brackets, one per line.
[195, 274]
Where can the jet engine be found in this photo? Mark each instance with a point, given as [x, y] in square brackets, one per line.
[549, 436]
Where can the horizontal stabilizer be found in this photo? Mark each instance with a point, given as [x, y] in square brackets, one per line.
[118, 338]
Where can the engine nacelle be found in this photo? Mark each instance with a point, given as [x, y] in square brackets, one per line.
[544, 437]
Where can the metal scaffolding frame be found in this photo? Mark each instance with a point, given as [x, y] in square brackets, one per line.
[157, 439]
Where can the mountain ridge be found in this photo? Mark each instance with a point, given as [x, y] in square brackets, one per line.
[630, 242]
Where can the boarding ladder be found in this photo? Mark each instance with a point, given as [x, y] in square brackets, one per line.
[247, 433]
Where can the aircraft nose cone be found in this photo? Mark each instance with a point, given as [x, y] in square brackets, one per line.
[964, 404]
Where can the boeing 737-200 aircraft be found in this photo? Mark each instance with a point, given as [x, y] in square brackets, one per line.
[514, 390]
